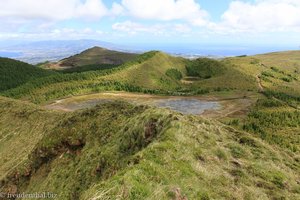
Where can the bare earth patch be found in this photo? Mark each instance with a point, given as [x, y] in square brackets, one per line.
[212, 106]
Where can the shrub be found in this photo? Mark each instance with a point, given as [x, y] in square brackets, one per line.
[234, 122]
[174, 74]
[269, 103]
[248, 141]
[221, 154]
[254, 61]
[287, 79]
[267, 74]
[87, 68]
[237, 151]
[275, 69]
[204, 68]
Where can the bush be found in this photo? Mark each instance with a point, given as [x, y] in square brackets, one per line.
[87, 68]
[174, 74]
[275, 69]
[267, 74]
[234, 122]
[287, 79]
[204, 68]
[248, 141]
[254, 61]
[237, 151]
[221, 154]
[269, 103]
[282, 96]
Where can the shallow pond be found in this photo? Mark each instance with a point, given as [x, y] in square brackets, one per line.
[183, 105]
[188, 106]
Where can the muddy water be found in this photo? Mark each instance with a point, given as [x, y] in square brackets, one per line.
[72, 106]
[188, 106]
[183, 105]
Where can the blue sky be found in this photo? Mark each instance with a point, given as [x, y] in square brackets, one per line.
[259, 22]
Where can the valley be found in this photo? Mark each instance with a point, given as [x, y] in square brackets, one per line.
[150, 100]
[152, 126]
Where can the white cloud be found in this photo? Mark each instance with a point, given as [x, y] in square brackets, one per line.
[167, 10]
[182, 28]
[52, 9]
[156, 17]
[261, 16]
[47, 34]
[117, 9]
[91, 9]
[133, 28]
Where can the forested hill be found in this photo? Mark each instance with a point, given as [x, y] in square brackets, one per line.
[14, 73]
[97, 56]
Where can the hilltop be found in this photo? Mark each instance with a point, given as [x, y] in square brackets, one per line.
[96, 58]
[52, 50]
[98, 55]
[14, 73]
[153, 72]
[117, 150]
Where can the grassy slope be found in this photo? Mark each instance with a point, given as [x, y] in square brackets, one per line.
[275, 119]
[288, 64]
[22, 125]
[278, 124]
[14, 73]
[97, 55]
[146, 74]
[151, 73]
[120, 151]
[117, 150]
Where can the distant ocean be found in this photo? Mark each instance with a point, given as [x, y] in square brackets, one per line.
[214, 50]
[36, 52]
[10, 54]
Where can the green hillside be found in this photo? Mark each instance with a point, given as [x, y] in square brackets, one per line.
[14, 73]
[96, 56]
[22, 125]
[152, 74]
[147, 73]
[278, 71]
[120, 151]
[274, 118]
[60, 84]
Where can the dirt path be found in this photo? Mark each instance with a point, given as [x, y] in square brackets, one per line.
[258, 80]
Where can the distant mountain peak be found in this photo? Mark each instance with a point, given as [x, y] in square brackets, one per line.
[97, 56]
[97, 48]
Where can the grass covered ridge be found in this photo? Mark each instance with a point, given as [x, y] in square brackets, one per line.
[22, 125]
[153, 72]
[117, 150]
[14, 73]
[279, 71]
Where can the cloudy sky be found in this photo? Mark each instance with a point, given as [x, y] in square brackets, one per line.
[153, 21]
